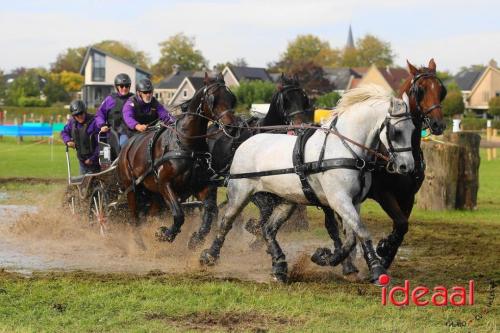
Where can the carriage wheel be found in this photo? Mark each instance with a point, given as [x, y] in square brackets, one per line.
[98, 210]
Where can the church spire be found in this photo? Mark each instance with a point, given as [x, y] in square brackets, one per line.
[350, 39]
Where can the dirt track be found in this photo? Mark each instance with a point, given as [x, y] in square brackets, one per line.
[44, 238]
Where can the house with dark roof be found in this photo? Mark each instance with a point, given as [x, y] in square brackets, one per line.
[478, 87]
[99, 69]
[233, 75]
[185, 91]
[165, 89]
[342, 78]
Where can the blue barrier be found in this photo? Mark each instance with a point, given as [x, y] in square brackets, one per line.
[17, 130]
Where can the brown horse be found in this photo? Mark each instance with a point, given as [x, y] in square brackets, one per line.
[394, 192]
[174, 161]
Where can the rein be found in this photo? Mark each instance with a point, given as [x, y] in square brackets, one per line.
[326, 130]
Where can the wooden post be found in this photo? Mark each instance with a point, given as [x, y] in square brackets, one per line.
[468, 169]
[452, 173]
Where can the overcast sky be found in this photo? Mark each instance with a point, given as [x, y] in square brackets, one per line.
[455, 32]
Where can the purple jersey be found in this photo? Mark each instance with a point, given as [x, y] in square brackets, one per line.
[92, 130]
[129, 111]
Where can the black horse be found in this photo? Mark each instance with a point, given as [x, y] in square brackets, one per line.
[394, 192]
[289, 106]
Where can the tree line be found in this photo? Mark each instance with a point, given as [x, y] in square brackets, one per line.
[306, 56]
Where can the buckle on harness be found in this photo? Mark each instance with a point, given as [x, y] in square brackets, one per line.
[362, 165]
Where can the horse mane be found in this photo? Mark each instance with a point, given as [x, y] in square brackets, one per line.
[363, 93]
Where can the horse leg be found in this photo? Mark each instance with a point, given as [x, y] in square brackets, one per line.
[239, 196]
[210, 212]
[132, 205]
[323, 256]
[169, 234]
[387, 247]
[265, 202]
[270, 229]
[342, 204]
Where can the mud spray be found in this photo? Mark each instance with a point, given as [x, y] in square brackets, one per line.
[45, 236]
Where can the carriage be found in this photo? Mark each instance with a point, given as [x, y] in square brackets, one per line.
[97, 197]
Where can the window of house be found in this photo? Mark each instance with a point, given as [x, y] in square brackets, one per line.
[497, 94]
[185, 93]
[98, 67]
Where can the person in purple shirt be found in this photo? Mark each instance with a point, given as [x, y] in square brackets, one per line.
[80, 132]
[109, 114]
[143, 109]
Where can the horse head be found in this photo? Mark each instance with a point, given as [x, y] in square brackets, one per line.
[426, 92]
[215, 98]
[396, 135]
[289, 103]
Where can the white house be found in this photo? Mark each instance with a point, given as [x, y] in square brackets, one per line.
[99, 69]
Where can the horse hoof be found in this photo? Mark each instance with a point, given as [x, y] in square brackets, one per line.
[385, 262]
[383, 247]
[348, 268]
[376, 271]
[321, 256]
[207, 259]
[164, 234]
[280, 271]
[195, 241]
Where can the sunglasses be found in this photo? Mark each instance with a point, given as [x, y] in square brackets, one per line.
[146, 92]
[124, 85]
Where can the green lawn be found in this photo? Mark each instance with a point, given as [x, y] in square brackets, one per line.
[34, 158]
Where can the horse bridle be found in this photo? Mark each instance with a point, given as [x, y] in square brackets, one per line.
[391, 131]
[417, 93]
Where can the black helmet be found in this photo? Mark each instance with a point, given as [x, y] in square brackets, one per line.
[77, 107]
[123, 79]
[144, 85]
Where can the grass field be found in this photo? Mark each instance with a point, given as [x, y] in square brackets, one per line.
[34, 158]
[448, 248]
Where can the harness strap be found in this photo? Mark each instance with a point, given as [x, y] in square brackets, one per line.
[309, 168]
[298, 162]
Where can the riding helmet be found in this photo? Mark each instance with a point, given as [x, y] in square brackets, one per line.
[144, 85]
[77, 107]
[123, 79]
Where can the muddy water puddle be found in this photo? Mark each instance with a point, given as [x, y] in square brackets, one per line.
[50, 239]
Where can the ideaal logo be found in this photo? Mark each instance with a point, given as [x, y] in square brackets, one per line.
[439, 296]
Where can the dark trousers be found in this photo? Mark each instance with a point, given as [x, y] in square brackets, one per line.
[93, 168]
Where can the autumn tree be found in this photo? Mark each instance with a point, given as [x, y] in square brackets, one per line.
[369, 50]
[178, 50]
[311, 77]
[69, 60]
[307, 49]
